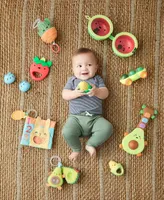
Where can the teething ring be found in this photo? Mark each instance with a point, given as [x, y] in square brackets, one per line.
[32, 111]
[55, 158]
[55, 46]
[35, 24]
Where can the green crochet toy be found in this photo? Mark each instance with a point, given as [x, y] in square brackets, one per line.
[55, 178]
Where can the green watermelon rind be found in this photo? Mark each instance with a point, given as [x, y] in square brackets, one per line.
[95, 36]
[123, 55]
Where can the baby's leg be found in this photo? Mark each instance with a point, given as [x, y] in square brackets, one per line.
[71, 132]
[101, 131]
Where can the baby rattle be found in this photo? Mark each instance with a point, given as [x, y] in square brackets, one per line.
[47, 33]
[100, 27]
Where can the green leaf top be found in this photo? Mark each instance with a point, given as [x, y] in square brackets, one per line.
[42, 62]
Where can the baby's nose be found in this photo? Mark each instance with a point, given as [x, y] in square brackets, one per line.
[84, 66]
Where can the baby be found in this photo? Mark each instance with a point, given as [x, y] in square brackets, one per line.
[85, 109]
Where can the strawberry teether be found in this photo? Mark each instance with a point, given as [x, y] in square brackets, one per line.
[40, 69]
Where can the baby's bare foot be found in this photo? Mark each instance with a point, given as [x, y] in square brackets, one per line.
[91, 150]
[74, 156]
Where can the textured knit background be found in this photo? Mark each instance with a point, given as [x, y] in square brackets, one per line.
[24, 170]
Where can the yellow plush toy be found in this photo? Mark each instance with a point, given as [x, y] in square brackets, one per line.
[84, 86]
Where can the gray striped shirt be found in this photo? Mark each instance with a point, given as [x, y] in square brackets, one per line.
[93, 105]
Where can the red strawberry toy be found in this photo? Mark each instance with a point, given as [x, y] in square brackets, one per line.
[40, 69]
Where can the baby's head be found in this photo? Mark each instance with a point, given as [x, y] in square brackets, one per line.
[85, 64]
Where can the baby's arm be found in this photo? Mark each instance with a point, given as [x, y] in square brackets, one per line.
[71, 94]
[101, 93]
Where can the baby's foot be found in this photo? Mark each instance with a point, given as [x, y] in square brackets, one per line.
[74, 156]
[91, 150]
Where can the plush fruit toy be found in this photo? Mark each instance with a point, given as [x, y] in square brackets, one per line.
[55, 179]
[71, 175]
[84, 86]
[47, 33]
[100, 27]
[40, 69]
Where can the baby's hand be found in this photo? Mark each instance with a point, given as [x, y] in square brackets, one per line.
[93, 91]
[79, 93]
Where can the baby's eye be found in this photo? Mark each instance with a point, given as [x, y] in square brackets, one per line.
[89, 64]
[45, 134]
[79, 66]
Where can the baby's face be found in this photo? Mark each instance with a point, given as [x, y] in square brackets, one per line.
[84, 66]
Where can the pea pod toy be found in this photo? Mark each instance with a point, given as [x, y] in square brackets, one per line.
[47, 33]
[100, 27]
[133, 75]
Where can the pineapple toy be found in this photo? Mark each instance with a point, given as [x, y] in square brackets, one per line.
[134, 142]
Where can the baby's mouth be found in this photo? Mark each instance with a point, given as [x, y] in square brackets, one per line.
[84, 73]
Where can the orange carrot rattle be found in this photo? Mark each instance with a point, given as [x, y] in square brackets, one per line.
[47, 33]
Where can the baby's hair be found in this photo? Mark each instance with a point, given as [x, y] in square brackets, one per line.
[85, 50]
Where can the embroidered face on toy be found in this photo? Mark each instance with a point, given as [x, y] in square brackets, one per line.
[55, 179]
[40, 135]
[47, 33]
[43, 26]
[9, 78]
[84, 65]
[24, 86]
[133, 143]
[40, 69]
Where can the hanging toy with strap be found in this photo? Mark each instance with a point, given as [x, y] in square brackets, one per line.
[55, 178]
[47, 33]
[19, 114]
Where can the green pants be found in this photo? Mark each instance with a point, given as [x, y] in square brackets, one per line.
[98, 128]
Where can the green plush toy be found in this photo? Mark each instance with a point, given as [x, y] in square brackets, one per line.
[70, 174]
[55, 178]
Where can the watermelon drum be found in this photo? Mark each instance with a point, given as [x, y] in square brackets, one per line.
[100, 27]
